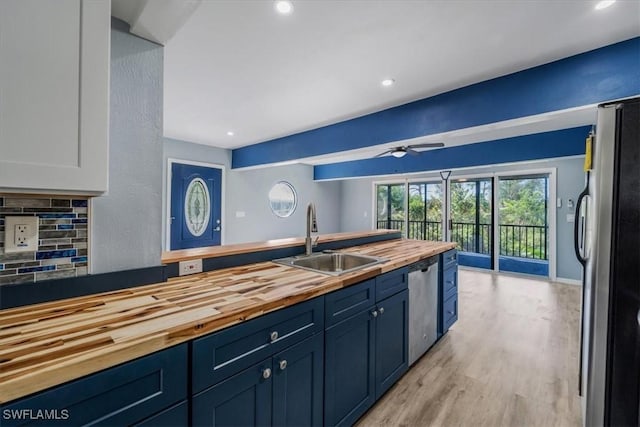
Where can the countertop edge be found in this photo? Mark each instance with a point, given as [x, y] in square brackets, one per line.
[29, 380]
[169, 257]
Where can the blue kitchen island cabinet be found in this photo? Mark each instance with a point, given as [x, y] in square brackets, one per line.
[366, 353]
[349, 369]
[264, 371]
[283, 390]
[392, 344]
[133, 393]
[448, 283]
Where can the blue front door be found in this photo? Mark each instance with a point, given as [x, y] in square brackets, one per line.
[195, 206]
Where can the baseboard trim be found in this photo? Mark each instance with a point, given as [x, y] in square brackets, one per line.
[566, 281]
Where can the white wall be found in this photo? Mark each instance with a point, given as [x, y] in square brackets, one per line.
[246, 191]
[126, 222]
[356, 200]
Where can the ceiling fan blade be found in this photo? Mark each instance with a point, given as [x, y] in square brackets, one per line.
[412, 152]
[382, 154]
[427, 145]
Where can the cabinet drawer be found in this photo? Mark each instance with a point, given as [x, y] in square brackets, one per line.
[449, 312]
[449, 259]
[121, 395]
[224, 353]
[344, 303]
[450, 282]
[391, 283]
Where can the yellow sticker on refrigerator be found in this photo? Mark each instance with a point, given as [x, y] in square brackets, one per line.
[587, 153]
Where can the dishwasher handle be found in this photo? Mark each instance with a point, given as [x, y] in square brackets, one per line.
[423, 265]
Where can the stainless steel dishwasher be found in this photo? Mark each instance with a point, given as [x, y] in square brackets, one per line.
[423, 307]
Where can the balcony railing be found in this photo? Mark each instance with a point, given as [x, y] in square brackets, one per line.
[523, 241]
[419, 230]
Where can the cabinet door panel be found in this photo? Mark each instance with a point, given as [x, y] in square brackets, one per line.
[449, 312]
[297, 384]
[242, 400]
[349, 369]
[450, 282]
[449, 259]
[54, 108]
[121, 395]
[391, 341]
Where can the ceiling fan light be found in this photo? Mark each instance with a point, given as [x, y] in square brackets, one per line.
[398, 153]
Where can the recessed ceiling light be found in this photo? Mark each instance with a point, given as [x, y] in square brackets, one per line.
[388, 82]
[230, 133]
[604, 4]
[284, 7]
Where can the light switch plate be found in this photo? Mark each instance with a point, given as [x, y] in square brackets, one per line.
[21, 233]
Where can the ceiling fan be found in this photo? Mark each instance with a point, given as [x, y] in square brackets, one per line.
[401, 151]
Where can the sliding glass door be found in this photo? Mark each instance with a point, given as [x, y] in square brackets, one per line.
[390, 207]
[414, 208]
[514, 237]
[425, 211]
[524, 224]
[471, 220]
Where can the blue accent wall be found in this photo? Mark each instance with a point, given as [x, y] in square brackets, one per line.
[599, 75]
[546, 145]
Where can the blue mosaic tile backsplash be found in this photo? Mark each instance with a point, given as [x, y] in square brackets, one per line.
[63, 233]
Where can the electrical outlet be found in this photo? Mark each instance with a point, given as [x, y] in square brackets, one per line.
[21, 234]
[190, 267]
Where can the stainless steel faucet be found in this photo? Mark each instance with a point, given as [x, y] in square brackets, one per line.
[312, 227]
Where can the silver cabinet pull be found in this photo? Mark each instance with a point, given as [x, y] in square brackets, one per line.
[266, 373]
[374, 313]
[274, 335]
[283, 365]
[381, 310]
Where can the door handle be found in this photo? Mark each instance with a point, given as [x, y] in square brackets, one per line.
[576, 226]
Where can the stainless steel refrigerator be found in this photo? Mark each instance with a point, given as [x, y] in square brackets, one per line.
[608, 246]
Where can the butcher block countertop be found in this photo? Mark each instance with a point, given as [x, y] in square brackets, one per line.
[243, 248]
[47, 344]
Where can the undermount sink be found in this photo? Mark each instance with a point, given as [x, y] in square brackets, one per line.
[333, 263]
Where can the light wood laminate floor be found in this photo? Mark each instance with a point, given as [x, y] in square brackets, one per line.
[510, 360]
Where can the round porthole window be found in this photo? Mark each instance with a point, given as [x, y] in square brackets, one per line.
[283, 199]
[197, 208]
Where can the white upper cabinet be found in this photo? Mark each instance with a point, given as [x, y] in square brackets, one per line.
[54, 95]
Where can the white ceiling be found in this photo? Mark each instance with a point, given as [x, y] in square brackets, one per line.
[239, 66]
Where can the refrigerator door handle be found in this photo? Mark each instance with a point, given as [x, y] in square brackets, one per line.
[576, 229]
